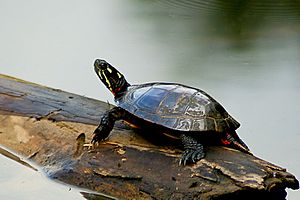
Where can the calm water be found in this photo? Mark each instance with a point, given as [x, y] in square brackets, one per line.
[20, 180]
[246, 55]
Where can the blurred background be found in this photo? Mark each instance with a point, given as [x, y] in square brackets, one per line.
[244, 54]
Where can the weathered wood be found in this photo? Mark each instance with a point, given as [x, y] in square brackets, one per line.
[49, 127]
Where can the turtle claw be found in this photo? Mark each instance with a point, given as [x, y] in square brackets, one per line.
[185, 157]
[95, 140]
[100, 134]
[197, 155]
[191, 156]
[193, 150]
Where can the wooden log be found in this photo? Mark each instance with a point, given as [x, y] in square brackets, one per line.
[52, 128]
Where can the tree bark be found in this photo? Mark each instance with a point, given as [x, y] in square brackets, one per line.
[53, 128]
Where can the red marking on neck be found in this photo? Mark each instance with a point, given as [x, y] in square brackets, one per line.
[116, 91]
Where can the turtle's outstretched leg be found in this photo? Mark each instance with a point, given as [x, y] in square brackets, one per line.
[107, 123]
[233, 140]
[193, 150]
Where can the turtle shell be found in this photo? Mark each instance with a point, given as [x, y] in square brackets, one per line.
[176, 107]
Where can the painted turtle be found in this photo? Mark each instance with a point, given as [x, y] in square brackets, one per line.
[178, 111]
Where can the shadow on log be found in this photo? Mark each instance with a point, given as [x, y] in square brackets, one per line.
[50, 127]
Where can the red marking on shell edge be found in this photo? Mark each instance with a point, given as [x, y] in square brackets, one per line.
[225, 142]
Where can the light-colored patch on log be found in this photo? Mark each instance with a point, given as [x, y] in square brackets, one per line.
[28, 135]
[270, 166]
[16, 120]
[146, 147]
[115, 174]
[22, 134]
[251, 180]
[121, 151]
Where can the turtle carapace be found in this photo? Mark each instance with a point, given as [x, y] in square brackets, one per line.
[186, 113]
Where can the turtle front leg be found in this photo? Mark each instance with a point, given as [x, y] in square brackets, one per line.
[107, 123]
[193, 150]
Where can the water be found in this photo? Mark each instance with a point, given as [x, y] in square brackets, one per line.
[22, 180]
[246, 55]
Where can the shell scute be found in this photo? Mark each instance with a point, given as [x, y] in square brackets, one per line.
[177, 107]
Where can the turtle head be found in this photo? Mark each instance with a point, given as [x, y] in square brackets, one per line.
[112, 78]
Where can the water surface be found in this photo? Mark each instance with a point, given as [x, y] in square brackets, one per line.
[20, 179]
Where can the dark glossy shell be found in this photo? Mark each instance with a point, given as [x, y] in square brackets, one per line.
[176, 107]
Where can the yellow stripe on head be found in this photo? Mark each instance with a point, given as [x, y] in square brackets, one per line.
[109, 70]
[119, 75]
[107, 81]
[99, 73]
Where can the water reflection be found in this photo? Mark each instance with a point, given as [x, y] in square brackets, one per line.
[236, 24]
[27, 182]
[12, 156]
[215, 41]
[18, 182]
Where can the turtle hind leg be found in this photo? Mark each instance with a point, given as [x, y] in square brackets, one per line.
[233, 140]
[193, 150]
[107, 123]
